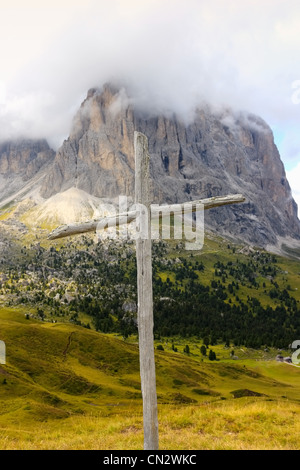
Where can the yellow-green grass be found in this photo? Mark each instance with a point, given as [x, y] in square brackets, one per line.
[238, 425]
[6, 211]
[66, 387]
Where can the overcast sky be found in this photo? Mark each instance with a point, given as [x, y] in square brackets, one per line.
[244, 54]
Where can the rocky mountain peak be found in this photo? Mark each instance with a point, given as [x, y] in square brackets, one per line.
[215, 154]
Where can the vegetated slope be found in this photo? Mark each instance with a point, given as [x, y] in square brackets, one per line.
[81, 389]
[225, 291]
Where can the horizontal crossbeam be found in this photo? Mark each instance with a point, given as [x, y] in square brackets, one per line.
[128, 217]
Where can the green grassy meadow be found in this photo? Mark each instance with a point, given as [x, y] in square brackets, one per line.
[67, 387]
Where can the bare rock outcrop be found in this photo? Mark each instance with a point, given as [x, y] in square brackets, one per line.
[214, 154]
[24, 157]
[22, 164]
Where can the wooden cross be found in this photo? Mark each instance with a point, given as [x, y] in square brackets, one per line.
[144, 271]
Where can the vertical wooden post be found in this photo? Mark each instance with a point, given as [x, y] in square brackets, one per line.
[145, 296]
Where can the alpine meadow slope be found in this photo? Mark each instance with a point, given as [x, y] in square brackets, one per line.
[82, 389]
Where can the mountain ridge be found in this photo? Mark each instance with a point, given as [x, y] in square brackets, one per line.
[214, 154]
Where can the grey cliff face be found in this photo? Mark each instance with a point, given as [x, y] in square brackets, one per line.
[21, 163]
[216, 154]
[24, 157]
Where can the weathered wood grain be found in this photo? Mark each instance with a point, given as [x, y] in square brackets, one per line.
[125, 218]
[145, 296]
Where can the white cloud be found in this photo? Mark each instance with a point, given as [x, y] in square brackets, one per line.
[172, 53]
[293, 177]
[2, 93]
